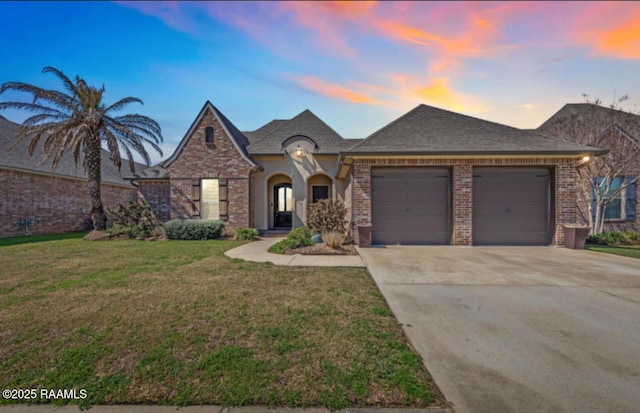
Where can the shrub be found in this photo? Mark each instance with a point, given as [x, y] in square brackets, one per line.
[193, 229]
[613, 237]
[301, 235]
[333, 239]
[248, 234]
[297, 238]
[631, 235]
[135, 220]
[327, 215]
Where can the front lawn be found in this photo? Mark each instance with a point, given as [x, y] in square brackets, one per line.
[177, 322]
[632, 251]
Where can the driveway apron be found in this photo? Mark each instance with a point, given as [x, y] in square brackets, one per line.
[519, 329]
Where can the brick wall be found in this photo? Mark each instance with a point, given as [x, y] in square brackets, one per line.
[55, 202]
[462, 205]
[220, 159]
[565, 199]
[563, 211]
[157, 195]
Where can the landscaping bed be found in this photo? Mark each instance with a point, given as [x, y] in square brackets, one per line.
[322, 249]
[178, 323]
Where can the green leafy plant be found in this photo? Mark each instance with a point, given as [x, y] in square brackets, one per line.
[297, 238]
[135, 220]
[613, 238]
[631, 235]
[248, 234]
[327, 215]
[193, 229]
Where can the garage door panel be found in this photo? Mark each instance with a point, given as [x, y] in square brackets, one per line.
[410, 205]
[510, 206]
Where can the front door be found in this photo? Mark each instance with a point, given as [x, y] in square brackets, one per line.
[282, 205]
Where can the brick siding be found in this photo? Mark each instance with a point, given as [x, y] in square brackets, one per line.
[156, 194]
[178, 196]
[564, 197]
[55, 202]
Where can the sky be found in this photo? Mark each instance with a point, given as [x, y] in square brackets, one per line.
[356, 65]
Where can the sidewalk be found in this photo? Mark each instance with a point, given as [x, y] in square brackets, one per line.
[256, 251]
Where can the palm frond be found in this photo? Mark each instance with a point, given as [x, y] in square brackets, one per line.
[68, 84]
[122, 103]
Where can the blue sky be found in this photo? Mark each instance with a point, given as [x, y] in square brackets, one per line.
[357, 65]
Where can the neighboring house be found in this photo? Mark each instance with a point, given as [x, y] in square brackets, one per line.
[618, 132]
[429, 177]
[55, 202]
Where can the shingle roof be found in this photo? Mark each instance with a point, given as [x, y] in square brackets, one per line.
[306, 124]
[18, 158]
[430, 130]
[628, 122]
[265, 130]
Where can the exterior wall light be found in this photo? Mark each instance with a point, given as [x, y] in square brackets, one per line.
[583, 161]
[298, 152]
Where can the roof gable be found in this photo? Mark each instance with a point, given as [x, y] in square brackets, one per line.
[305, 124]
[427, 129]
[239, 140]
[627, 124]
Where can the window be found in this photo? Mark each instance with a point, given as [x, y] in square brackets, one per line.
[208, 134]
[319, 192]
[285, 198]
[613, 209]
[210, 199]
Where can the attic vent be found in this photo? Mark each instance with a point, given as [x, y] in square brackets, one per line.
[208, 134]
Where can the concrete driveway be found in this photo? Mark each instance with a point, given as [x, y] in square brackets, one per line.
[519, 329]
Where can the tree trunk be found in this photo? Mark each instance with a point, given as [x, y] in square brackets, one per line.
[94, 160]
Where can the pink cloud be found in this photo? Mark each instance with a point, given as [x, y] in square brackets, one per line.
[333, 90]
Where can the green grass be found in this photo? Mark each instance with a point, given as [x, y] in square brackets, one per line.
[178, 323]
[632, 251]
[39, 238]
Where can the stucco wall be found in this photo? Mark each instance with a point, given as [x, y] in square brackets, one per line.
[299, 170]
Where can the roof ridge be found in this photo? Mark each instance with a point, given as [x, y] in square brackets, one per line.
[306, 112]
[388, 125]
[323, 122]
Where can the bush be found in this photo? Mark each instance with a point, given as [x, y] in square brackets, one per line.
[248, 234]
[333, 239]
[297, 238]
[613, 237]
[631, 235]
[301, 235]
[193, 229]
[135, 220]
[327, 215]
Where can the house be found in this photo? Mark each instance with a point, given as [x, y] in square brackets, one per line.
[49, 201]
[619, 133]
[429, 177]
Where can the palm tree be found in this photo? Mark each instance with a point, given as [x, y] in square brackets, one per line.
[81, 122]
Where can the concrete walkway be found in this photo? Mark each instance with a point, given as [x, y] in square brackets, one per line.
[256, 251]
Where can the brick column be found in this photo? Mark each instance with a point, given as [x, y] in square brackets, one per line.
[566, 209]
[361, 197]
[462, 205]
